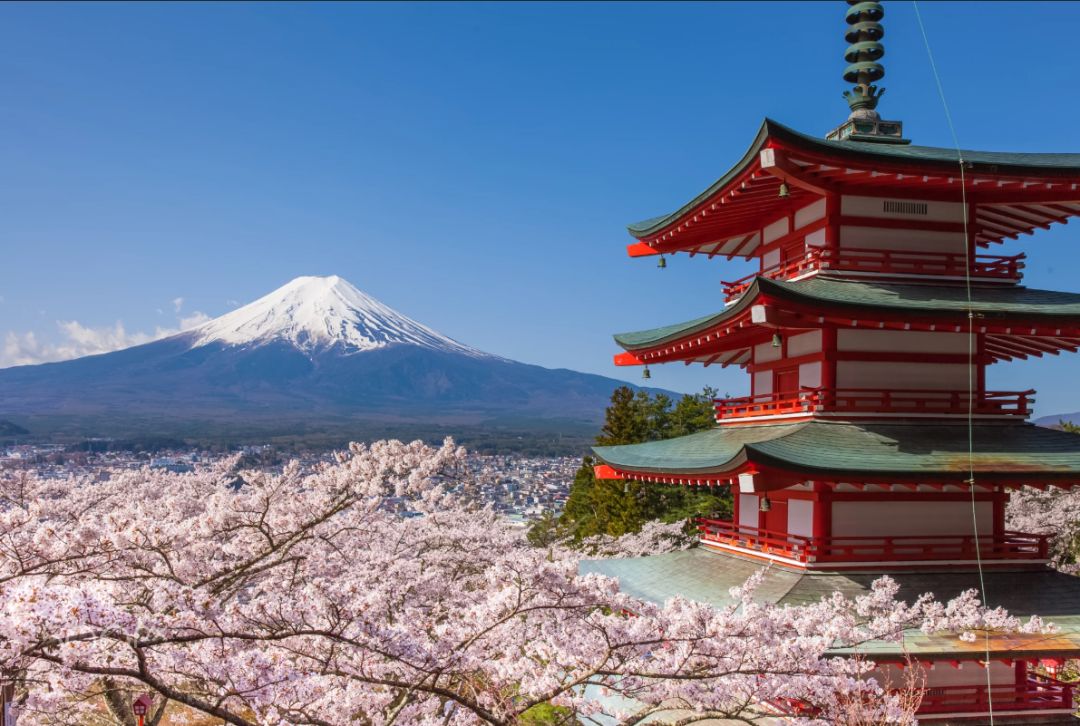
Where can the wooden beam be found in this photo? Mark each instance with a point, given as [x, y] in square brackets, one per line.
[775, 162]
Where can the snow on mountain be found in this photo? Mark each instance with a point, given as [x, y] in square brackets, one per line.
[316, 313]
[317, 358]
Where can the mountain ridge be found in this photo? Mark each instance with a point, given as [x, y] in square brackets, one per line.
[315, 351]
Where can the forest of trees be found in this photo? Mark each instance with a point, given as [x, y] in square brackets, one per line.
[616, 508]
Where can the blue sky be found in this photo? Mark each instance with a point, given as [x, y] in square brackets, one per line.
[472, 166]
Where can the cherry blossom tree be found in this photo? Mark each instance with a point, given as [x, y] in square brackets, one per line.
[1049, 511]
[368, 591]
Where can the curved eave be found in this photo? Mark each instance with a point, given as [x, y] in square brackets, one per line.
[900, 159]
[648, 227]
[1004, 163]
[836, 451]
[714, 452]
[821, 300]
[648, 339]
[948, 303]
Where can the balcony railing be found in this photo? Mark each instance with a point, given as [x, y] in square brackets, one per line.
[854, 401]
[906, 548]
[1038, 693]
[888, 262]
[768, 404]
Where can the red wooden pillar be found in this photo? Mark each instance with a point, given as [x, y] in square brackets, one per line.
[970, 241]
[822, 510]
[980, 366]
[828, 363]
[832, 223]
[1021, 672]
[1000, 498]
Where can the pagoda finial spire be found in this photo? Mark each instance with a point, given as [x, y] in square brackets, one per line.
[864, 34]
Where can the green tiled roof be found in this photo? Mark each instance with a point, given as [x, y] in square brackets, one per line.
[993, 302]
[865, 449]
[649, 338]
[985, 161]
[705, 576]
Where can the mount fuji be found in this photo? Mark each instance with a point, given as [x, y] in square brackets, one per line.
[316, 355]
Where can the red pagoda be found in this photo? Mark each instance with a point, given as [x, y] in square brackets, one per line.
[869, 442]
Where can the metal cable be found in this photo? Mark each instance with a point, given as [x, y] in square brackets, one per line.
[971, 344]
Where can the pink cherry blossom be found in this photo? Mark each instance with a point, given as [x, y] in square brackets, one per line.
[307, 597]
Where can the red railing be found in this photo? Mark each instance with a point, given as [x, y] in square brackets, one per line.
[857, 259]
[784, 271]
[926, 400]
[768, 404]
[1039, 693]
[868, 400]
[906, 548]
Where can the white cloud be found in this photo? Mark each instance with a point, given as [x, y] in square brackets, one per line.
[194, 320]
[77, 340]
[177, 303]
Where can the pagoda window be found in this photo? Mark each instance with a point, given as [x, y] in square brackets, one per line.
[913, 209]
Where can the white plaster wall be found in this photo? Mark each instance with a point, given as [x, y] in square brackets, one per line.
[944, 674]
[763, 382]
[855, 206]
[810, 375]
[901, 240]
[766, 352]
[888, 519]
[804, 343]
[816, 239]
[911, 341]
[885, 375]
[770, 259]
[800, 517]
[774, 231]
[810, 213]
[748, 510]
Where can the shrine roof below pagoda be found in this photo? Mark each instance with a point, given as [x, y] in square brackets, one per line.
[705, 576]
[931, 157]
[859, 451]
[996, 302]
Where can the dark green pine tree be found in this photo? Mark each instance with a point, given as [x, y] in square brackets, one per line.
[618, 507]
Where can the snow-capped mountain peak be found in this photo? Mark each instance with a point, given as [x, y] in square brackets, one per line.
[315, 313]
